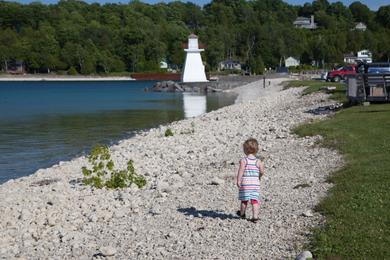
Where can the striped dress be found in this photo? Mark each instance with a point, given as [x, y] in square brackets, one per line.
[250, 182]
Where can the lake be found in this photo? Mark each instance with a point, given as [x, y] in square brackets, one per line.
[42, 123]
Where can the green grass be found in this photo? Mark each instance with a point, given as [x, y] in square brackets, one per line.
[357, 209]
[313, 86]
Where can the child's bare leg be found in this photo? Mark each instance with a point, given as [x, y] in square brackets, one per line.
[255, 210]
[243, 208]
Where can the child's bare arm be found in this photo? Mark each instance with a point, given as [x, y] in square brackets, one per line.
[261, 167]
[240, 172]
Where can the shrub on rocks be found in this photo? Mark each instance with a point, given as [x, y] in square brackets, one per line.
[103, 173]
[168, 132]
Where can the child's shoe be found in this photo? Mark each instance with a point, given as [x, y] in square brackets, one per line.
[239, 214]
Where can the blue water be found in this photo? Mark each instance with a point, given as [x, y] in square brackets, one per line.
[42, 123]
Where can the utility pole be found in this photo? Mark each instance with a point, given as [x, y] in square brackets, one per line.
[264, 81]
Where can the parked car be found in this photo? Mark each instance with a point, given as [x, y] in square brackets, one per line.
[341, 73]
[324, 75]
[374, 68]
[379, 68]
[371, 83]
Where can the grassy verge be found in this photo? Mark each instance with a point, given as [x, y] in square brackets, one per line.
[357, 209]
[313, 86]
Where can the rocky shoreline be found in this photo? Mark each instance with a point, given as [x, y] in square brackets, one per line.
[221, 83]
[187, 209]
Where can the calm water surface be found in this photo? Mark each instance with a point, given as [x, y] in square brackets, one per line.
[42, 123]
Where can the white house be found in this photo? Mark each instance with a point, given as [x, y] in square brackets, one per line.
[194, 70]
[291, 62]
[350, 58]
[360, 27]
[362, 56]
[163, 64]
[305, 23]
[230, 65]
[365, 56]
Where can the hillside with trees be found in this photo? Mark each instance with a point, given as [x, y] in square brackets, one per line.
[76, 37]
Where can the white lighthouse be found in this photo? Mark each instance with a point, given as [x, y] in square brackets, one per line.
[193, 66]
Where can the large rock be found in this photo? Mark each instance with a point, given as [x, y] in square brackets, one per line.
[167, 86]
[217, 181]
[308, 213]
[304, 255]
[107, 250]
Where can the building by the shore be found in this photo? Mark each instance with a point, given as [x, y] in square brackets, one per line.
[16, 67]
[230, 65]
[360, 27]
[350, 58]
[163, 64]
[361, 56]
[194, 70]
[291, 62]
[305, 23]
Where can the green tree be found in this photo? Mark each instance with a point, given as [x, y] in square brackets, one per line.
[383, 16]
[320, 5]
[106, 63]
[360, 12]
[42, 49]
[10, 47]
[74, 55]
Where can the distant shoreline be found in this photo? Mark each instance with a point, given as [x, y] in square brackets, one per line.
[23, 78]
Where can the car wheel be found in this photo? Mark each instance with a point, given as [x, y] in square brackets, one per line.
[337, 79]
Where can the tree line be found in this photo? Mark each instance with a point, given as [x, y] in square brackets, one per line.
[77, 37]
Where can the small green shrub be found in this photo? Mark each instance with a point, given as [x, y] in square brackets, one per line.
[168, 132]
[72, 71]
[102, 174]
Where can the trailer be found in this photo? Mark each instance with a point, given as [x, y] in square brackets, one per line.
[370, 84]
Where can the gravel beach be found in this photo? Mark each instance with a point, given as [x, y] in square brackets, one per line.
[187, 209]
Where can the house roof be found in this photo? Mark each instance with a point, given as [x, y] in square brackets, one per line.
[302, 20]
[230, 61]
[290, 58]
[361, 25]
[349, 55]
[192, 36]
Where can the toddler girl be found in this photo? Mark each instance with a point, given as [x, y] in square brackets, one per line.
[248, 179]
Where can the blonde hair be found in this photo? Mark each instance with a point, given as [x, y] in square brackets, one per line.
[251, 146]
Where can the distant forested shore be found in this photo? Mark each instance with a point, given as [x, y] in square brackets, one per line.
[73, 37]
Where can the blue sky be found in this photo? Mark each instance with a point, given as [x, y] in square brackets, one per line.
[373, 4]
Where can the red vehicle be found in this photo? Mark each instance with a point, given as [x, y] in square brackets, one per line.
[340, 73]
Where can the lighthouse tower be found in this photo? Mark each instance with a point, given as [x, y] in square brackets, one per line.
[193, 66]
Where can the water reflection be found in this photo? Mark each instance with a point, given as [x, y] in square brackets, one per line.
[194, 104]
